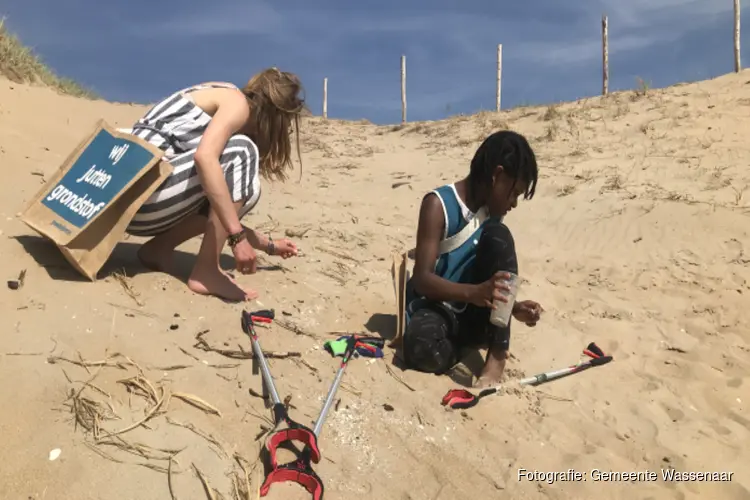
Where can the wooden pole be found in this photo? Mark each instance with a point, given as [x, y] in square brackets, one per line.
[605, 55]
[737, 59]
[499, 74]
[403, 89]
[325, 98]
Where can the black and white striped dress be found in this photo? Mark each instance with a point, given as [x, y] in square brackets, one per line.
[176, 125]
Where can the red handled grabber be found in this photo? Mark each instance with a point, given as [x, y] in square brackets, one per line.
[299, 471]
[461, 399]
[294, 430]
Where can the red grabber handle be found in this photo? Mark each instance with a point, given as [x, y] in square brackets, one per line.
[295, 432]
[596, 354]
[296, 473]
[373, 341]
[262, 316]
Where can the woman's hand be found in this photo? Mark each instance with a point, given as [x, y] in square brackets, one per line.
[244, 257]
[283, 248]
[528, 312]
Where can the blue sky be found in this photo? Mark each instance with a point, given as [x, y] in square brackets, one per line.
[139, 51]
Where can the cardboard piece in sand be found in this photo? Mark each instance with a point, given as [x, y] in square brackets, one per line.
[400, 275]
[89, 202]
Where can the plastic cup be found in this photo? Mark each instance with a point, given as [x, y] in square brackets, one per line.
[500, 315]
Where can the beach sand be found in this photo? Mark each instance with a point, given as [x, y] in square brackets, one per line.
[637, 240]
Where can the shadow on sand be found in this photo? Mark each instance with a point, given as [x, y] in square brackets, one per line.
[124, 258]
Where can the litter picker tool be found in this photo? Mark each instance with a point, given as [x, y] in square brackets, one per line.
[300, 470]
[294, 430]
[461, 399]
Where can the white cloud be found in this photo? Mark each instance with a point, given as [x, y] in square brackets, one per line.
[682, 14]
[577, 52]
[633, 25]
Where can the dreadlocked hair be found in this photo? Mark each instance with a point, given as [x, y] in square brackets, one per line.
[510, 150]
[275, 109]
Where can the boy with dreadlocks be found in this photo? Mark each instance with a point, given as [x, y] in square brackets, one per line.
[463, 255]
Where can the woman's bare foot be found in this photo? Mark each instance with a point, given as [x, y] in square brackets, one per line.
[156, 257]
[252, 293]
[494, 367]
[217, 283]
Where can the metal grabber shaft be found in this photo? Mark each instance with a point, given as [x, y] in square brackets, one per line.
[329, 398]
[267, 377]
[351, 350]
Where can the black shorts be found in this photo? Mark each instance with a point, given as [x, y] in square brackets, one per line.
[436, 336]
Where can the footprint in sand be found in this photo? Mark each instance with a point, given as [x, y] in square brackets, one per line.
[612, 346]
[647, 431]
[720, 429]
[734, 383]
[652, 384]
[570, 459]
[735, 249]
[674, 413]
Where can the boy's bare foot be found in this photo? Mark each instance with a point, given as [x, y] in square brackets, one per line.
[492, 372]
[156, 257]
[217, 283]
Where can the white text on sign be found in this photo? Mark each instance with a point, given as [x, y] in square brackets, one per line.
[117, 153]
[99, 178]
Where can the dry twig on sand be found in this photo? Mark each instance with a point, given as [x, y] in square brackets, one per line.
[169, 480]
[170, 368]
[350, 389]
[242, 493]
[133, 310]
[188, 353]
[203, 345]
[554, 398]
[302, 361]
[103, 454]
[397, 378]
[294, 328]
[108, 362]
[210, 493]
[269, 266]
[87, 413]
[154, 411]
[208, 437]
[90, 414]
[122, 278]
[199, 403]
[141, 386]
[338, 254]
[139, 449]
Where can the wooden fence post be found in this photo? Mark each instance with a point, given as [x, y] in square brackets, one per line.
[325, 98]
[403, 89]
[499, 74]
[737, 59]
[605, 55]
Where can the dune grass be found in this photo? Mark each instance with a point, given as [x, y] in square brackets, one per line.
[20, 64]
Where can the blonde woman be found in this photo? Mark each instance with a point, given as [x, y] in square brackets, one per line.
[220, 139]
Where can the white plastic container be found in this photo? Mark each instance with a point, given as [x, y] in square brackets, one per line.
[501, 312]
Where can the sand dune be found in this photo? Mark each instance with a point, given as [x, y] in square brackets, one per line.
[637, 239]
